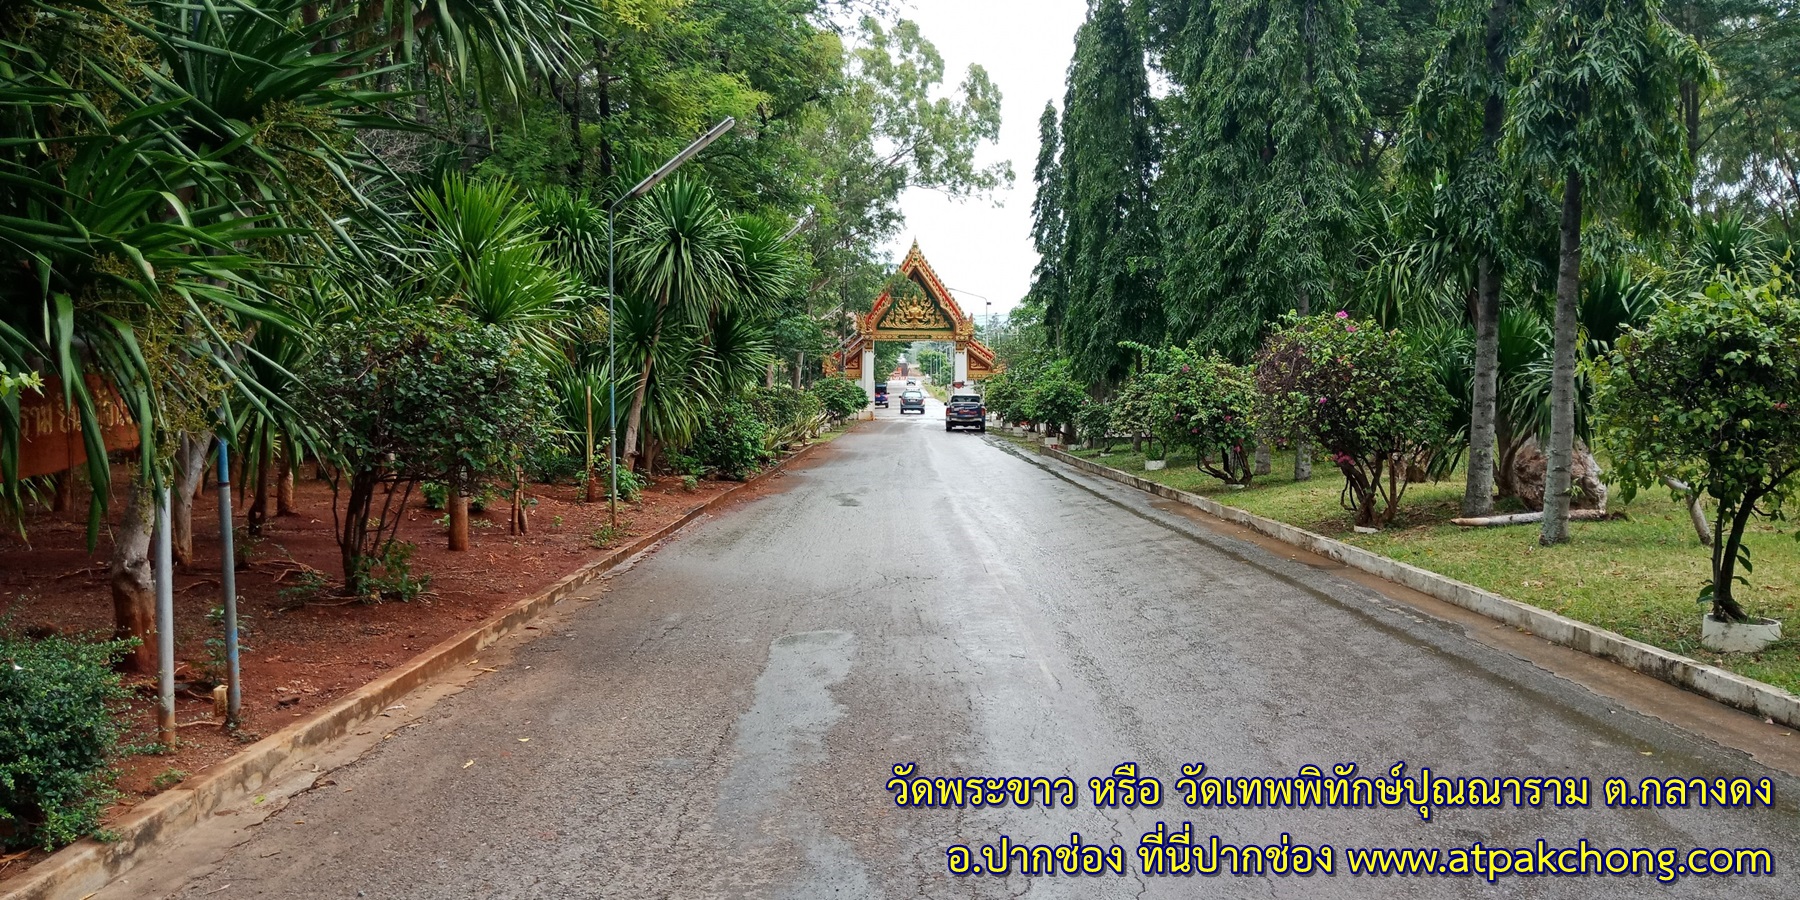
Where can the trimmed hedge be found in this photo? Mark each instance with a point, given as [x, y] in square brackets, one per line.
[60, 728]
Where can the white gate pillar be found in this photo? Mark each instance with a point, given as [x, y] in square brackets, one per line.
[868, 373]
[962, 365]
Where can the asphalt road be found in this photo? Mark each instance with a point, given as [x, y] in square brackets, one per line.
[722, 721]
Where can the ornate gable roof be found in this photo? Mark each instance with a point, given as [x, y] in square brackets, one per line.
[936, 317]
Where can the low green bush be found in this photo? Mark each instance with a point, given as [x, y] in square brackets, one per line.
[787, 413]
[841, 397]
[60, 728]
[735, 442]
[631, 484]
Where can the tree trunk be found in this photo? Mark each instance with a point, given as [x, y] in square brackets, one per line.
[458, 506]
[133, 588]
[1478, 491]
[1505, 479]
[1263, 464]
[1562, 377]
[190, 464]
[1695, 513]
[1725, 558]
[799, 367]
[629, 447]
[354, 530]
[64, 499]
[258, 513]
[284, 485]
[1303, 453]
[769, 376]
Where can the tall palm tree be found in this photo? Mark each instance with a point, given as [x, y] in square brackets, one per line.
[680, 257]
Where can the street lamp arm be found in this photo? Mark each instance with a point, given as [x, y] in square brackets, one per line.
[687, 153]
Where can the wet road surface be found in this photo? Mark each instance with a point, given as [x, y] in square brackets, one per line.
[721, 722]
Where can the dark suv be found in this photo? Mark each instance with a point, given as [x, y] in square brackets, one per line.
[912, 400]
[966, 411]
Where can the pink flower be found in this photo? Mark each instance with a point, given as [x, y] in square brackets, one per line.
[1185, 369]
[1343, 314]
[1782, 406]
[1321, 401]
[1350, 328]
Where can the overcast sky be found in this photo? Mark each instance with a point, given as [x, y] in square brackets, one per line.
[978, 247]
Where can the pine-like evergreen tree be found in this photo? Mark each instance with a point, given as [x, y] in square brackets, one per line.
[1111, 250]
[1047, 222]
[1258, 197]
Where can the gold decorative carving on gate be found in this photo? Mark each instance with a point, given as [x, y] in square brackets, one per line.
[915, 312]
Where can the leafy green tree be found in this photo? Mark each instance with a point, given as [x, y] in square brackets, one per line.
[1108, 160]
[888, 126]
[842, 398]
[416, 391]
[1454, 133]
[1396, 41]
[1358, 391]
[1595, 111]
[1709, 389]
[1054, 396]
[1742, 132]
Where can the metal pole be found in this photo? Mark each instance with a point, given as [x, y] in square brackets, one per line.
[612, 381]
[234, 690]
[165, 625]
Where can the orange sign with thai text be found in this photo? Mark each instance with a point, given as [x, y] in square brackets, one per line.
[50, 433]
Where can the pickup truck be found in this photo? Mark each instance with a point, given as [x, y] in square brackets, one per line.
[965, 411]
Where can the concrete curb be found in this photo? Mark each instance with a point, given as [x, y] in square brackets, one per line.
[89, 865]
[1712, 682]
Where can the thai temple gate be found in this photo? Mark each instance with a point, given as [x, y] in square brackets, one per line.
[930, 314]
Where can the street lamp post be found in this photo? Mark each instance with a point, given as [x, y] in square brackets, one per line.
[612, 372]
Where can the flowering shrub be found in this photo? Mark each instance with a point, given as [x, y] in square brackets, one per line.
[1132, 412]
[1356, 391]
[1204, 402]
[1094, 422]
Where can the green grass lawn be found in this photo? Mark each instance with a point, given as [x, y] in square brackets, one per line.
[1636, 576]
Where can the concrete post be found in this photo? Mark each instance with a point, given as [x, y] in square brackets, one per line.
[962, 366]
[868, 373]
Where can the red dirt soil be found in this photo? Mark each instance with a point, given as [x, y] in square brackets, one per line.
[305, 650]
